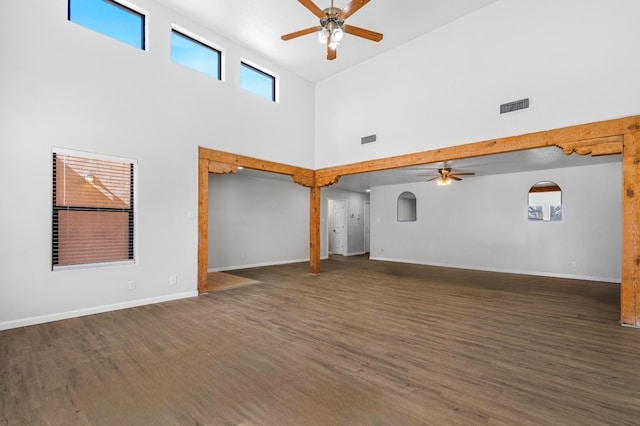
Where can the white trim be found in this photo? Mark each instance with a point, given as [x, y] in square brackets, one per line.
[207, 43]
[135, 8]
[142, 12]
[93, 155]
[275, 76]
[96, 265]
[256, 265]
[92, 311]
[356, 253]
[504, 271]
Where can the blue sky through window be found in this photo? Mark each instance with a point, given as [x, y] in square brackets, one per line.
[110, 19]
[258, 82]
[128, 26]
[195, 55]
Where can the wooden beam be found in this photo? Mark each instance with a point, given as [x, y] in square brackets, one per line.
[630, 286]
[203, 224]
[605, 133]
[600, 146]
[226, 160]
[327, 179]
[600, 138]
[222, 168]
[306, 179]
[220, 162]
[314, 230]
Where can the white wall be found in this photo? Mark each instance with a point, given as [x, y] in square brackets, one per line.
[255, 221]
[64, 85]
[572, 57]
[481, 223]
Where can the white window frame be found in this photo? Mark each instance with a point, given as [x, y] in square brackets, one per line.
[128, 5]
[206, 42]
[97, 156]
[276, 77]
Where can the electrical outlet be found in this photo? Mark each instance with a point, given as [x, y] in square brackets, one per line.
[132, 285]
[173, 279]
[574, 264]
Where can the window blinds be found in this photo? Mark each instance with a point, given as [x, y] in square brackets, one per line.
[93, 215]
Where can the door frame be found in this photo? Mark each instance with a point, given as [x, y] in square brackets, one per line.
[366, 218]
[345, 236]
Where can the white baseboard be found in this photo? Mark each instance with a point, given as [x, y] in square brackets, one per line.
[504, 271]
[95, 310]
[256, 265]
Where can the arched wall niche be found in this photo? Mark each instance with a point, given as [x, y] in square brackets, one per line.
[407, 207]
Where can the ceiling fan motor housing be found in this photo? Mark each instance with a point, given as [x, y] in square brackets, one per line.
[332, 19]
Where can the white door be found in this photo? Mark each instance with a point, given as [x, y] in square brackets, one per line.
[367, 213]
[339, 219]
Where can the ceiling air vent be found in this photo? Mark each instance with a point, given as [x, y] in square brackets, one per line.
[368, 139]
[514, 106]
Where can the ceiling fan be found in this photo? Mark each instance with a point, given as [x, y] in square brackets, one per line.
[445, 176]
[332, 27]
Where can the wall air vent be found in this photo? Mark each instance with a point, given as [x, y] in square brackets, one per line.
[514, 106]
[368, 139]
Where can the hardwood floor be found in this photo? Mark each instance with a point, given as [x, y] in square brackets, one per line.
[363, 343]
[223, 280]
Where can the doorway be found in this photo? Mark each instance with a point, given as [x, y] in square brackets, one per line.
[337, 227]
[367, 227]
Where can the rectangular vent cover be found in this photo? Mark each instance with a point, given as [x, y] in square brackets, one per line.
[368, 139]
[514, 106]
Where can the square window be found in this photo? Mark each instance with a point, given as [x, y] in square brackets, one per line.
[257, 81]
[194, 54]
[93, 209]
[109, 18]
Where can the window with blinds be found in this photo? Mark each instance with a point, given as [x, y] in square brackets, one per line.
[93, 209]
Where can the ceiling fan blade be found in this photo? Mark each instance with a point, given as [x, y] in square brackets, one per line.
[434, 178]
[301, 33]
[454, 177]
[462, 174]
[352, 8]
[331, 53]
[313, 8]
[361, 32]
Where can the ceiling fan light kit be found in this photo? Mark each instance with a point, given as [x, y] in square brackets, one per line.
[445, 176]
[332, 27]
[331, 33]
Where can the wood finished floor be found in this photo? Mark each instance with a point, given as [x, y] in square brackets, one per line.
[363, 343]
[223, 280]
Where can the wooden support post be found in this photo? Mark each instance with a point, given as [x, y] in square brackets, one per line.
[630, 286]
[314, 230]
[203, 224]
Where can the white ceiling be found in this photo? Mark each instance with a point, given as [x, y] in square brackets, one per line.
[258, 25]
[513, 162]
